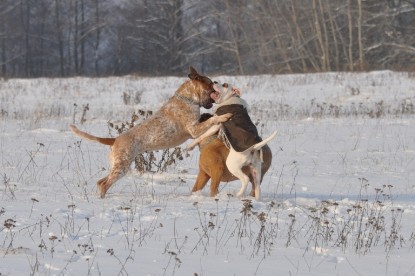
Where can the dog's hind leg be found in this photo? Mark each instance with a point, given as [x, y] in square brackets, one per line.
[118, 170]
[256, 179]
[267, 160]
[235, 167]
[201, 180]
[216, 176]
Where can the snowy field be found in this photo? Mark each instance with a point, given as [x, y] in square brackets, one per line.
[339, 198]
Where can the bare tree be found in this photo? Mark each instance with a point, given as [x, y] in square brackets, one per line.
[59, 37]
[360, 35]
[3, 39]
[97, 36]
[103, 37]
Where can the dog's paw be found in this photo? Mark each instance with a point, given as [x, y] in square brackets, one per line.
[223, 118]
[188, 150]
[190, 147]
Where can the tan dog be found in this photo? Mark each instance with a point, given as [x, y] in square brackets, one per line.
[212, 165]
[245, 146]
[174, 123]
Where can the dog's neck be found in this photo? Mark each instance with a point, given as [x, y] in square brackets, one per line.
[186, 99]
[233, 100]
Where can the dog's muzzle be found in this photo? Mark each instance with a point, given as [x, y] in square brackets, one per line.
[208, 101]
[208, 104]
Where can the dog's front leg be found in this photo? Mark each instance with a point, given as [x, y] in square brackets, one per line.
[195, 130]
[212, 130]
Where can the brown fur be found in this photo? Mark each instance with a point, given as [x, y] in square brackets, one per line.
[212, 165]
[173, 124]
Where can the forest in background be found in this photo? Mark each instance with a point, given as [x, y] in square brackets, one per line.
[62, 38]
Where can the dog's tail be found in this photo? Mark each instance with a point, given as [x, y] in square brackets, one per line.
[264, 142]
[105, 141]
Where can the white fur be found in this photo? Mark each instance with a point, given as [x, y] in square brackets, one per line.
[251, 157]
[232, 100]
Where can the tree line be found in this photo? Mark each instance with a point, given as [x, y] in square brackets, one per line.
[60, 38]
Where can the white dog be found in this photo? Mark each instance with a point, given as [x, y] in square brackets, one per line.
[241, 136]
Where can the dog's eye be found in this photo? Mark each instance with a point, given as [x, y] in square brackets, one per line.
[225, 85]
[215, 82]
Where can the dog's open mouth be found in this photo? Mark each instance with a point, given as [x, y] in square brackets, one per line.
[214, 95]
[208, 102]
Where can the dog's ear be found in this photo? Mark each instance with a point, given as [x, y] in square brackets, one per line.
[236, 91]
[193, 75]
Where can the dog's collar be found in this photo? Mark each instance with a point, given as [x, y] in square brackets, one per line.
[186, 99]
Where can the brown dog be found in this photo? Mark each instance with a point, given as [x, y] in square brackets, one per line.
[174, 123]
[212, 164]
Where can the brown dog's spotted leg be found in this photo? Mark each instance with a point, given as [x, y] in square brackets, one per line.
[118, 170]
[100, 184]
[195, 130]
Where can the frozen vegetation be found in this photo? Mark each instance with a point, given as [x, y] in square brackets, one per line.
[339, 198]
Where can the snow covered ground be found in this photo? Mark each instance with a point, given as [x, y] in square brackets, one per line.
[339, 198]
